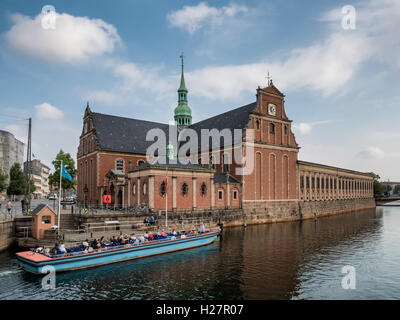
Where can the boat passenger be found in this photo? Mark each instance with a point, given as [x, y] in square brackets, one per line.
[202, 229]
[150, 237]
[141, 239]
[61, 248]
[163, 234]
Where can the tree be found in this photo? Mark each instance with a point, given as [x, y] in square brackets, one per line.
[17, 181]
[3, 179]
[69, 163]
[378, 189]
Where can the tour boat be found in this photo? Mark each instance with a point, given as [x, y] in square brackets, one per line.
[34, 262]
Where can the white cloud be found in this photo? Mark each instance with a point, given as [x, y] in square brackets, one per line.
[47, 111]
[306, 127]
[371, 153]
[302, 127]
[74, 38]
[193, 18]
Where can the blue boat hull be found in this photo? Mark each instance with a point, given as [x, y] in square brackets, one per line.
[78, 262]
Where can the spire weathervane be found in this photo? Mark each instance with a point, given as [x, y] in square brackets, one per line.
[182, 56]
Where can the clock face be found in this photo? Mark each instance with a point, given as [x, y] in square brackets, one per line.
[272, 109]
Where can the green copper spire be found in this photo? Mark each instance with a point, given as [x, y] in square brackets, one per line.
[183, 114]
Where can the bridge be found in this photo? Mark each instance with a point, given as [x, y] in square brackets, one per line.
[383, 201]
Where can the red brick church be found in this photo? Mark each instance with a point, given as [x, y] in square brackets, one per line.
[112, 161]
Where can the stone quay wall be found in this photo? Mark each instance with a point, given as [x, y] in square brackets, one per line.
[280, 211]
[7, 233]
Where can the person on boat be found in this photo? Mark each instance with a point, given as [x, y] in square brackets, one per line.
[141, 239]
[150, 237]
[202, 229]
[85, 244]
[163, 235]
[95, 244]
[174, 233]
[61, 248]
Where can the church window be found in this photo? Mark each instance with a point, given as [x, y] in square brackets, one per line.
[140, 162]
[185, 189]
[307, 182]
[225, 162]
[257, 124]
[313, 182]
[203, 189]
[271, 128]
[212, 162]
[163, 188]
[286, 130]
[302, 182]
[119, 164]
[235, 193]
[220, 194]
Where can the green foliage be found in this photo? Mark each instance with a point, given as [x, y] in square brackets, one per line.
[378, 188]
[3, 178]
[17, 181]
[69, 164]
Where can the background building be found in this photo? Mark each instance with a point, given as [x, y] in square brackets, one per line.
[40, 175]
[11, 151]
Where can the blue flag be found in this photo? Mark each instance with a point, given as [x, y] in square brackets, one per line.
[65, 174]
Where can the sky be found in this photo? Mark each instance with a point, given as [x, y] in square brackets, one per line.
[338, 67]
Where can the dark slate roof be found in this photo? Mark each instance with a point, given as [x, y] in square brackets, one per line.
[127, 135]
[221, 178]
[123, 134]
[233, 119]
[39, 208]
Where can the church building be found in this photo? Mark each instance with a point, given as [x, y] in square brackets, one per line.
[111, 160]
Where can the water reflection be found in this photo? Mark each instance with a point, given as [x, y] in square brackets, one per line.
[299, 260]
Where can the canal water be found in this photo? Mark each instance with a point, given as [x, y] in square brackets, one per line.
[295, 260]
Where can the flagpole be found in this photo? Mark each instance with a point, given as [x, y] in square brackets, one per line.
[59, 198]
[166, 198]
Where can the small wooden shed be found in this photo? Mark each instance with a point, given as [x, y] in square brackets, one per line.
[43, 219]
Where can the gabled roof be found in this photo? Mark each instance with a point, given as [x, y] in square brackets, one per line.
[233, 119]
[273, 90]
[39, 208]
[125, 135]
[221, 178]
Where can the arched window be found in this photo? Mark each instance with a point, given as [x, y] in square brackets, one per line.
[185, 189]
[271, 128]
[235, 194]
[163, 188]
[203, 189]
[220, 194]
[257, 124]
[212, 162]
[226, 162]
[119, 164]
[140, 162]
